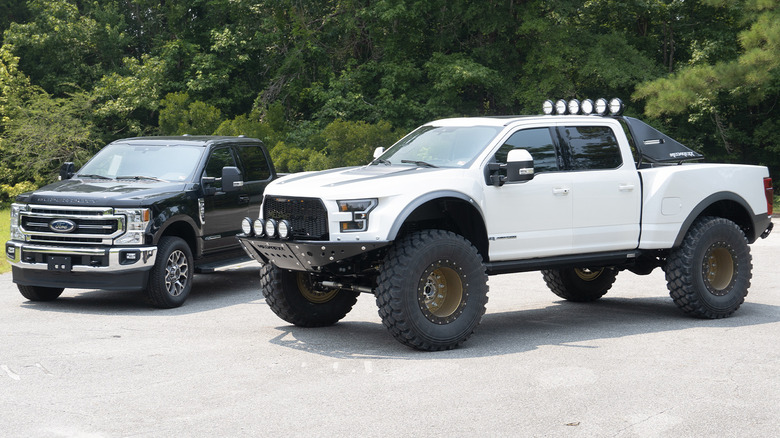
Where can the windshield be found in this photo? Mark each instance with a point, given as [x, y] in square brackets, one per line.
[440, 146]
[168, 163]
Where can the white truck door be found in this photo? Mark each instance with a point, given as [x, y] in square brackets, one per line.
[606, 191]
[532, 218]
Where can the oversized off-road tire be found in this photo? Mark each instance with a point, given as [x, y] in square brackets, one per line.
[708, 276]
[39, 293]
[432, 290]
[295, 298]
[580, 284]
[170, 280]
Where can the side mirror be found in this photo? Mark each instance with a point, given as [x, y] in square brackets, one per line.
[379, 151]
[519, 166]
[231, 179]
[67, 170]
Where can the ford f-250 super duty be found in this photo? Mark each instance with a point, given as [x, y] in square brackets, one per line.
[579, 197]
[142, 214]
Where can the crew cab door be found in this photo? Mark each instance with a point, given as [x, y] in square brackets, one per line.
[532, 218]
[225, 208]
[606, 189]
[222, 208]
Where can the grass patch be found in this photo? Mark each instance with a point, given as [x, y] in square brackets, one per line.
[5, 233]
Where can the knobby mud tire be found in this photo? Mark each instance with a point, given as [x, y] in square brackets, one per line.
[432, 290]
[294, 298]
[708, 276]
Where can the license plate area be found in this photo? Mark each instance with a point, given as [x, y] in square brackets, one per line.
[60, 263]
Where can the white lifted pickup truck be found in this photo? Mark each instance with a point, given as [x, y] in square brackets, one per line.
[579, 197]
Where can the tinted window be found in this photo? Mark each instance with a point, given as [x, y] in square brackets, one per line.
[219, 158]
[536, 141]
[255, 164]
[592, 147]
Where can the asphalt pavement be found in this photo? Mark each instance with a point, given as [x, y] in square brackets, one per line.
[103, 364]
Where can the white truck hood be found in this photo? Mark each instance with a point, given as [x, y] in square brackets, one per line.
[355, 182]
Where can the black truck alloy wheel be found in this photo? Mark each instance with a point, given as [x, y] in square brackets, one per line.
[296, 298]
[432, 290]
[709, 275]
[170, 280]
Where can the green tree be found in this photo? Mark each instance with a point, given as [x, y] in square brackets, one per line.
[179, 115]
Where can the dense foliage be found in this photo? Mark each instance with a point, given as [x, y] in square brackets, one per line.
[324, 82]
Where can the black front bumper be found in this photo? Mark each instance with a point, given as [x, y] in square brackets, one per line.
[304, 255]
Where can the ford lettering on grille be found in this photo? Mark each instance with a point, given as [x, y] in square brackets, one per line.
[62, 225]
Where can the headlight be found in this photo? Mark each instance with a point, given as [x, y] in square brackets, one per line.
[246, 226]
[16, 230]
[359, 209]
[136, 222]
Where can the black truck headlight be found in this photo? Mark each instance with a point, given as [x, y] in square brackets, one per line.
[360, 208]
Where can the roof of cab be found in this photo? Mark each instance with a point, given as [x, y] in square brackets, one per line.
[193, 140]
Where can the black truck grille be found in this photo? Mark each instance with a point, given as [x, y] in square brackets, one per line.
[308, 216]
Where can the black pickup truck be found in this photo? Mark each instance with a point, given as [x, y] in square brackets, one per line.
[143, 214]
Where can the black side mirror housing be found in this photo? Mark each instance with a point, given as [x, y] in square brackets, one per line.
[231, 179]
[67, 170]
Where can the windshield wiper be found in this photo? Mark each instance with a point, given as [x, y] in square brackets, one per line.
[381, 161]
[419, 163]
[92, 175]
[139, 177]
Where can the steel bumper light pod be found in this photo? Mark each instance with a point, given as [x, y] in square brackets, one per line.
[270, 228]
[246, 226]
[285, 230]
[259, 227]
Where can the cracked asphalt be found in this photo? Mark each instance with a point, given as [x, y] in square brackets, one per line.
[103, 364]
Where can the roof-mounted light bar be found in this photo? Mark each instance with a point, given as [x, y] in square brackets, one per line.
[602, 107]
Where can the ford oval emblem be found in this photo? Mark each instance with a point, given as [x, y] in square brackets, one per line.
[62, 225]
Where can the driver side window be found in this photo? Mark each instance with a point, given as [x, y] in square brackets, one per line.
[219, 158]
[538, 142]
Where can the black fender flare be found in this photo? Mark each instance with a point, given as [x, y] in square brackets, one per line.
[417, 202]
[708, 202]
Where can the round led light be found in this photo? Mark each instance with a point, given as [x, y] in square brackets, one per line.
[601, 106]
[285, 230]
[560, 107]
[246, 226]
[615, 106]
[587, 106]
[574, 106]
[259, 227]
[270, 228]
[548, 106]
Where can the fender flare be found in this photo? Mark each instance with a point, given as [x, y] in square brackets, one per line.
[417, 202]
[708, 202]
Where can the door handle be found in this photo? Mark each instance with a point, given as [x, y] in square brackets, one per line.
[243, 199]
[626, 187]
[560, 190]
